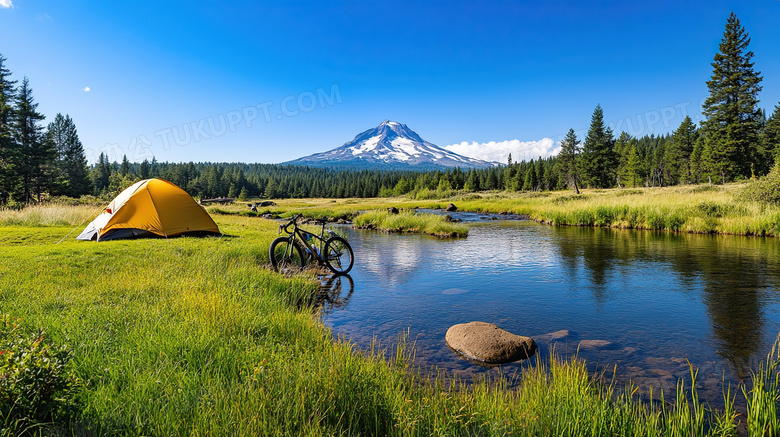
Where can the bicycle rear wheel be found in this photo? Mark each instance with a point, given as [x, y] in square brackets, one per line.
[286, 255]
[338, 255]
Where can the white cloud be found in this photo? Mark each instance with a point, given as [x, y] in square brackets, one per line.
[499, 151]
[86, 88]
[6, 4]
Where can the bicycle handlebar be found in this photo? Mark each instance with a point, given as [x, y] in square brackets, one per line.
[292, 221]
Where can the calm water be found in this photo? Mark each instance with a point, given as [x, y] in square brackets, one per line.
[653, 299]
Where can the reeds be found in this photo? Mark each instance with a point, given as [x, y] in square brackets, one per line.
[762, 397]
[409, 221]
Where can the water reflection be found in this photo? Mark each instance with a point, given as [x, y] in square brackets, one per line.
[733, 277]
[655, 298]
[335, 292]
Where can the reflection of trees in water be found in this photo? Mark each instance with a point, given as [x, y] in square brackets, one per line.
[737, 274]
[335, 292]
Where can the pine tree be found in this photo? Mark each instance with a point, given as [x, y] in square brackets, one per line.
[633, 171]
[509, 175]
[548, 178]
[702, 167]
[622, 150]
[124, 170]
[100, 174]
[530, 181]
[37, 154]
[652, 149]
[567, 159]
[491, 182]
[144, 169]
[472, 183]
[271, 190]
[539, 174]
[677, 154]
[597, 162]
[732, 116]
[770, 137]
[71, 163]
[10, 158]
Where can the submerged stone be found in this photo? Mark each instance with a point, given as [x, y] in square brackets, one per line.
[488, 343]
[598, 344]
[562, 335]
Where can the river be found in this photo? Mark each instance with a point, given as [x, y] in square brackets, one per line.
[652, 299]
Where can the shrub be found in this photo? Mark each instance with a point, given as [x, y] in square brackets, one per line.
[471, 196]
[426, 194]
[604, 216]
[711, 209]
[564, 199]
[765, 189]
[35, 381]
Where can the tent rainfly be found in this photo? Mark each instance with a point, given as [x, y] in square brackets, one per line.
[148, 208]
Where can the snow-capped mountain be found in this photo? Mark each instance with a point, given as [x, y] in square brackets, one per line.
[389, 145]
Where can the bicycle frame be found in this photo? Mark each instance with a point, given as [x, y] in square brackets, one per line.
[313, 248]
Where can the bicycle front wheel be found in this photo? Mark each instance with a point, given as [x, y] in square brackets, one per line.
[338, 255]
[285, 255]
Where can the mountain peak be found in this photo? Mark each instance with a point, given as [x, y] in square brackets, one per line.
[391, 145]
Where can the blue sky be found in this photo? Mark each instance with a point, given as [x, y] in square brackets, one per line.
[273, 81]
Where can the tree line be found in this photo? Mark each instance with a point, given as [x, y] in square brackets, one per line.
[35, 161]
[736, 141]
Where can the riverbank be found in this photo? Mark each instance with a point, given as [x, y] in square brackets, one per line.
[197, 336]
[699, 209]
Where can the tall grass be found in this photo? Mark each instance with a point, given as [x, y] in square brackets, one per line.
[409, 221]
[762, 398]
[197, 336]
[48, 215]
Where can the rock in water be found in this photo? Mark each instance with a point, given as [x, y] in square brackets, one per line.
[598, 344]
[562, 335]
[487, 342]
[451, 207]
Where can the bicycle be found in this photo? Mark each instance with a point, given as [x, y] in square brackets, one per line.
[300, 246]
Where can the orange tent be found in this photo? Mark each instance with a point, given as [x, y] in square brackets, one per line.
[151, 207]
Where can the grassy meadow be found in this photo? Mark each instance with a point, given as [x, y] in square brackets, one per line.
[197, 336]
[702, 209]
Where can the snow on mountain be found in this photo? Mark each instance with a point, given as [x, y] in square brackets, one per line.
[389, 145]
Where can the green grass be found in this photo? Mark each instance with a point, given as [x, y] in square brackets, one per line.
[701, 209]
[48, 215]
[409, 221]
[688, 209]
[196, 336]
